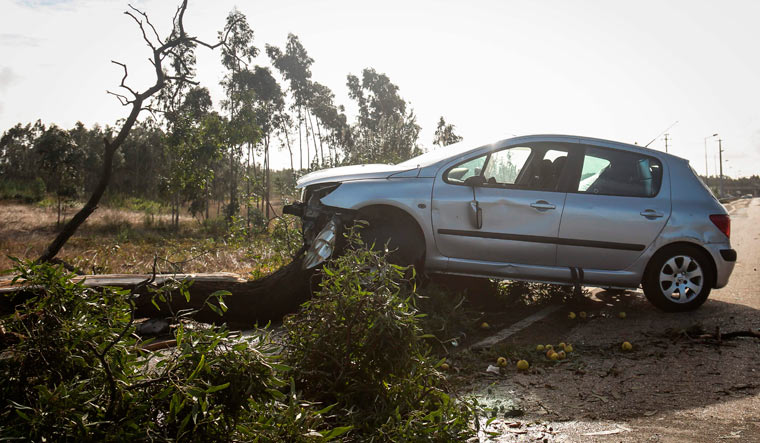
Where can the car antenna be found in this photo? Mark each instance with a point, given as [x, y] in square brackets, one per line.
[658, 135]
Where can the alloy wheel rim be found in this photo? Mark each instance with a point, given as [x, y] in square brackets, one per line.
[681, 279]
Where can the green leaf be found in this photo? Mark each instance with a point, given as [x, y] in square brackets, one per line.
[217, 388]
[335, 432]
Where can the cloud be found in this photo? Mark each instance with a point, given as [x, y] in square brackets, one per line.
[18, 40]
[7, 77]
[38, 3]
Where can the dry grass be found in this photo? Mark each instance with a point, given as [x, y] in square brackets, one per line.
[123, 241]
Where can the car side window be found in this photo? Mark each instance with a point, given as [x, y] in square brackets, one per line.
[463, 171]
[612, 172]
[504, 166]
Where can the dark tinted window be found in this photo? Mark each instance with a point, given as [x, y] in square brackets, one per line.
[611, 172]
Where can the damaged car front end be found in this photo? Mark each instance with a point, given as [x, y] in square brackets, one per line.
[321, 225]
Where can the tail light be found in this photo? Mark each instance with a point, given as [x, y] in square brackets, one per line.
[723, 222]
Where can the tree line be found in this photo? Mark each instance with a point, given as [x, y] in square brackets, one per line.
[192, 155]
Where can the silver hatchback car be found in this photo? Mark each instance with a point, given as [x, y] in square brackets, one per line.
[549, 208]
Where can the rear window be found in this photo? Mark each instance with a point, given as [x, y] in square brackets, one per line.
[626, 174]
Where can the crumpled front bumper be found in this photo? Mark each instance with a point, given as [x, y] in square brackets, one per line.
[322, 227]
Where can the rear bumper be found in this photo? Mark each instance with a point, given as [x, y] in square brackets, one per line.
[724, 258]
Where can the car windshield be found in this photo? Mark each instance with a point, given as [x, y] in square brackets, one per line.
[438, 154]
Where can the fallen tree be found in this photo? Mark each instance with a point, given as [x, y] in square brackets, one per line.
[249, 301]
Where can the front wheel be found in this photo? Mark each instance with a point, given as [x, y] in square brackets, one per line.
[678, 279]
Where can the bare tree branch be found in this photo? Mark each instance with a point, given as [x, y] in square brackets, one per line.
[177, 38]
[122, 98]
[123, 79]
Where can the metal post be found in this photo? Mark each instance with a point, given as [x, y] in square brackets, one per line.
[707, 172]
[720, 161]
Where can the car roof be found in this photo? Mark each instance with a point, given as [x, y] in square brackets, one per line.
[445, 154]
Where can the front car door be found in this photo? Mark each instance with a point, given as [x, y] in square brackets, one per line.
[519, 193]
[616, 207]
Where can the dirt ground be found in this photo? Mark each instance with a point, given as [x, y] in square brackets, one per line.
[672, 387]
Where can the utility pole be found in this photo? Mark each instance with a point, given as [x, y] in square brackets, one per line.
[720, 161]
[666, 142]
[707, 172]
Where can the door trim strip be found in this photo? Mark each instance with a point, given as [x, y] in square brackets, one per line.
[541, 239]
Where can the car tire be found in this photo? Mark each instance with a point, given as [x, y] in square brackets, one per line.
[404, 247]
[678, 279]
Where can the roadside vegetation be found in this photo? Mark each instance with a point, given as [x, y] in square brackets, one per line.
[354, 363]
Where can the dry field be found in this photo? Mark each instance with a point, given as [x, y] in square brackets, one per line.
[124, 241]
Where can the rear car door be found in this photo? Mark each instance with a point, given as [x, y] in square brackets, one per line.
[616, 207]
[520, 200]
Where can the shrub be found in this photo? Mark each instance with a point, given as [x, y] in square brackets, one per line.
[71, 368]
[358, 344]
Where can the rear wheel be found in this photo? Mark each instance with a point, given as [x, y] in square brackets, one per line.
[678, 279]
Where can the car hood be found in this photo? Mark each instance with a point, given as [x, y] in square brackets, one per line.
[349, 173]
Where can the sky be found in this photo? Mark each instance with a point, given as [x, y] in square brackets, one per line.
[623, 71]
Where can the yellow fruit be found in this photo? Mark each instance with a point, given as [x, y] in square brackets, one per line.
[445, 367]
[522, 365]
[549, 347]
[561, 355]
[540, 348]
[571, 316]
[553, 356]
[501, 361]
[569, 348]
[621, 314]
[485, 325]
[562, 345]
[626, 346]
[582, 315]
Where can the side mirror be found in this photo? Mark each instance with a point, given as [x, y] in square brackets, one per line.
[475, 180]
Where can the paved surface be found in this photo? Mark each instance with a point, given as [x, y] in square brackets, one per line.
[673, 386]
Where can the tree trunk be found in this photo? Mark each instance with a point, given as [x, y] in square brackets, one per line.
[266, 176]
[300, 149]
[321, 152]
[251, 302]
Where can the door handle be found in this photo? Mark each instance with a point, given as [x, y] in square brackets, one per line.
[542, 205]
[651, 214]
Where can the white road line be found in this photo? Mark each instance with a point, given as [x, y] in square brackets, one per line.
[515, 328]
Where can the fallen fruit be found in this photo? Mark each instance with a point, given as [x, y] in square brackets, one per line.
[582, 315]
[523, 365]
[549, 347]
[622, 314]
[569, 348]
[501, 361]
[562, 345]
[540, 348]
[485, 325]
[561, 355]
[571, 316]
[445, 367]
[626, 346]
[553, 356]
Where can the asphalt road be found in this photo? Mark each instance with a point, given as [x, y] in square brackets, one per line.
[673, 386]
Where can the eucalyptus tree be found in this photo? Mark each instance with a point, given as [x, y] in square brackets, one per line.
[294, 64]
[333, 118]
[237, 53]
[60, 160]
[444, 134]
[268, 110]
[385, 130]
[194, 142]
[17, 157]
